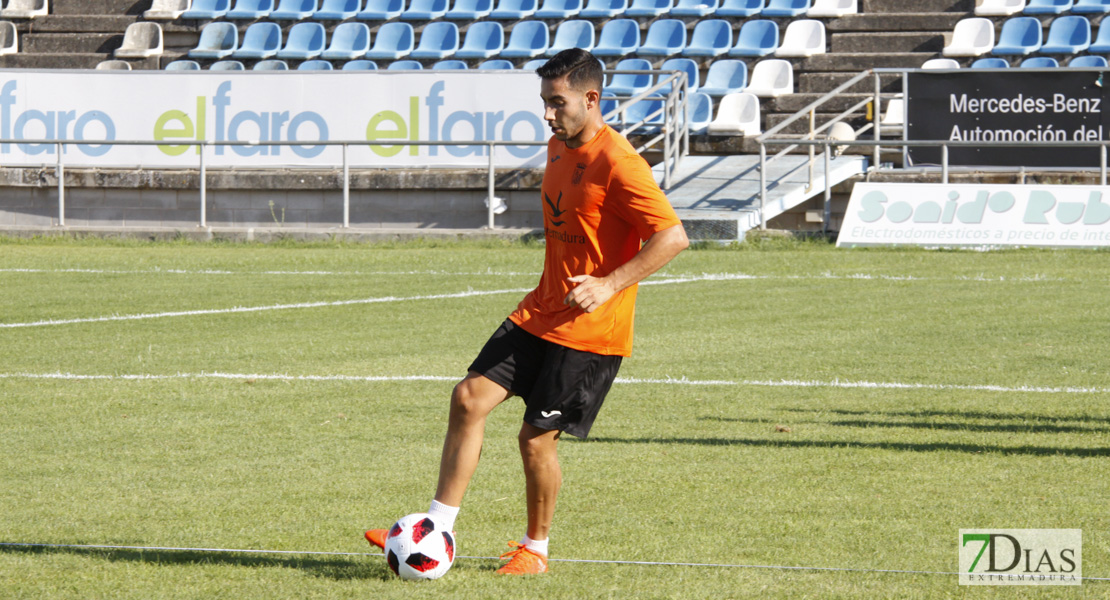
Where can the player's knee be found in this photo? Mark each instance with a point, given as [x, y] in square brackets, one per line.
[535, 446]
[465, 402]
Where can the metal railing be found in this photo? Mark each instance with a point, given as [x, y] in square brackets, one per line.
[874, 103]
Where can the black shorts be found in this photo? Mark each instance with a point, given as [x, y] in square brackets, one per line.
[563, 388]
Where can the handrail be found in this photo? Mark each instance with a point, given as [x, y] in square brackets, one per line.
[675, 132]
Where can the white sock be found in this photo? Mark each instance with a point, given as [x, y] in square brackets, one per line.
[537, 546]
[445, 514]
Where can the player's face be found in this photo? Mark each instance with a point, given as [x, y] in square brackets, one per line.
[567, 111]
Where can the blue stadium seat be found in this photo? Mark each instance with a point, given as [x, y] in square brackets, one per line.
[316, 64]
[250, 9]
[534, 64]
[665, 37]
[338, 10]
[649, 8]
[558, 9]
[360, 65]
[1092, 7]
[381, 10]
[439, 40]
[629, 84]
[183, 65]
[990, 63]
[227, 65]
[483, 40]
[305, 40]
[217, 40]
[1047, 7]
[740, 8]
[393, 41]
[495, 64]
[207, 9]
[608, 105]
[405, 65]
[349, 41]
[679, 64]
[1089, 60]
[727, 76]
[575, 33]
[701, 111]
[648, 111]
[603, 9]
[272, 64]
[757, 37]
[293, 10]
[618, 37]
[1101, 45]
[1020, 36]
[1068, 35]
[694, 8]
[425, 10]
[786, 8]
[469, 10]
[528, 39]
[1039, 62]
[513, 9]
[449, 65]
[711, 37]
[260, 40]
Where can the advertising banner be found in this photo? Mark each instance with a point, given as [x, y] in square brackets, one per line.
[976, 216]
[1012, 106]
[179, 107]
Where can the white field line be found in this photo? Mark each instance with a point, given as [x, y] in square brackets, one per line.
[301, 305]
[492, 273]
[1025, 389]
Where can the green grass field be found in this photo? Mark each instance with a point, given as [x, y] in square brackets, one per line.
[741, 433]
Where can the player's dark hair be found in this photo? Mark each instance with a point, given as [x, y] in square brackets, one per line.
[582, 69]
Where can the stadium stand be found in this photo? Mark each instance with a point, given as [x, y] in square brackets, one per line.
[348, 41]
[484, 39]
[394, 41]
[575, 33]
[449, 65]
[217, 40]
[260, 40]
[832, 8]
[528, 39]
[113, 65]
[305, 41]
[694, 8]
[469, 10]
[737, 114]
[141, 40]
[999, 8]
[425, 10]
[1089, 61]
[166, 9]
[686, 65]
[315, 65]
[602, 9]
[725, 77]
[756, 38]
[1020, 36]
[665, 37]
[405, 65]
[439, 40]
[740, 8]
[701, 112]
[381, 10]
[649, 8]
[618, 37]
[1039, 62]
[337, 10]
[360, 65]
[496, 64]
[971, 37]
[711, 37]
[786, 8]
[227, 65]
[513, 9]
[272, 64]
[803, 38]
[990, 62]
[940, 63]
[293, 10]
[1068, 35]
[770, 78]
[1048, 7]
[1093, 7]
[630, 84]
[250, 9]
[207, 9]
[559, 9]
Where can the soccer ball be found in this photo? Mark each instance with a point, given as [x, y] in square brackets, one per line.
[418, 547]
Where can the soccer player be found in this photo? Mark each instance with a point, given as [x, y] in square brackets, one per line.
[608, 226]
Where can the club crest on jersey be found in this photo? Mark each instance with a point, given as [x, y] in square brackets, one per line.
[579, 171]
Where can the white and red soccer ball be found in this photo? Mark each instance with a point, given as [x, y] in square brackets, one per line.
[418, 547]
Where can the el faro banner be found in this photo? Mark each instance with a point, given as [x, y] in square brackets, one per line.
[95, 107]
[976, 216]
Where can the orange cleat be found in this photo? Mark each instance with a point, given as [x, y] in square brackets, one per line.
[377, 537]
[523, 561]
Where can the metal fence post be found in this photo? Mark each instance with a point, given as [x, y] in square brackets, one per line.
[944, 163]
[1102, 164]
[346, 189]
[203, 190]
[826, 219]
[60, 172]
[762, 183]
[877, 116]
[489, 183]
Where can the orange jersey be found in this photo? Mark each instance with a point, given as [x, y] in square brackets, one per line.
[600, 202]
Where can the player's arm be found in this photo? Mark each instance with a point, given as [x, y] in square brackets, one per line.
[591, 292]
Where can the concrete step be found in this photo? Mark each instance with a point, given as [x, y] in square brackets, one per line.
[888, 42]
[801, 126]
[79, 24]
[819, 83]
[796, 102]
[99, 7]
[854, 62]
[52, 61]
[65, 43]
[905, 6]
[896, 22]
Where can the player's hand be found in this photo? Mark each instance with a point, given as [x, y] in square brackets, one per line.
[590, 293]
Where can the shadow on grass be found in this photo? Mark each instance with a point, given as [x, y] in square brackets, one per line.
[896, 446]
[960, 414]
[336, 568]
[970, 427]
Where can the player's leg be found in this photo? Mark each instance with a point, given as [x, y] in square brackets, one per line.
[471, 402]
[542, 475]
